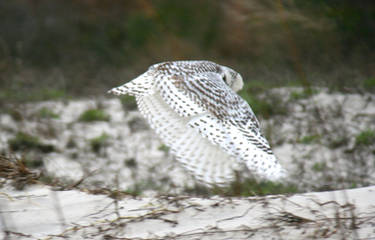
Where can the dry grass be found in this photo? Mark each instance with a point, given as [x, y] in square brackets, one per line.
[17, 173]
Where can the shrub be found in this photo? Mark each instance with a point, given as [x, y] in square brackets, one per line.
[23, 141]
[163, 148]
[244, 188]
[47, 113]
[130, 163]
[369, 83]
[128, 102]
[303, 94]
[319, 167]
[309, 139]
[99, 142]
[92, 115]
[366, 137]
[253, 188]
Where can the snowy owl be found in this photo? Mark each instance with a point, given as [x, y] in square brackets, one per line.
[211, 131]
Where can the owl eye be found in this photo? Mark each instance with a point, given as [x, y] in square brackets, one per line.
[225, 79]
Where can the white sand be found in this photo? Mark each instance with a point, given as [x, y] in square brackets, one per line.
[42, 213]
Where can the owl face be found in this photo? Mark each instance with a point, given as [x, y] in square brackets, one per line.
[232, 78]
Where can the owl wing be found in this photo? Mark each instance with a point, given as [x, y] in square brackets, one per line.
[206, 161]
[223, 117]
[140, 86]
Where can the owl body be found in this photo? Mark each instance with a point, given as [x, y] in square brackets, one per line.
[211, 131]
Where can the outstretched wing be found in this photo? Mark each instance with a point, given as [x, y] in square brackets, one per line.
[142, 85]
[223, 117]
[207, 162]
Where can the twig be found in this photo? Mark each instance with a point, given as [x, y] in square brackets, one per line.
[57, 206]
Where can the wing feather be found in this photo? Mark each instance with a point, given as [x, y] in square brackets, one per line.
[207, 162]
[142, 85]
[226, 120]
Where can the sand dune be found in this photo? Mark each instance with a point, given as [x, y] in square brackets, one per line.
[45, 214]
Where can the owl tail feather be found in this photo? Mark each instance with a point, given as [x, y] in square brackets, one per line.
[139, 86]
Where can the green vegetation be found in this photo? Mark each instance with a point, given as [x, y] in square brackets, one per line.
[92, 115]
[366, 137]
[49, 94]
[99, 142]
[369, 83]
[48, 179]
[260, 107]
[244, 188]
[263, 103]
[130, 163]
[265, 107]
[163, 148]
[253, 188]
[47, 113]
[134, 191]
[23, 141]
[319, 167]
[255, 87]
[137, 124]
[23, 94]
[71, 143]
[303, 94]
[128, 102]
[15, 114]
[33, 162]
[139, 187]
[338, 142]
[309, 139]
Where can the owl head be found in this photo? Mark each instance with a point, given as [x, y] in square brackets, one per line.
[232, 78]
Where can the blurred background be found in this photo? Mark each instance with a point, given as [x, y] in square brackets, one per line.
[66, 48]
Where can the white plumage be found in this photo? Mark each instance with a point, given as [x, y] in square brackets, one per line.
[194, 108]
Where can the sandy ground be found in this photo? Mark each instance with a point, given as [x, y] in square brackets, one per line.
[41, 213]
